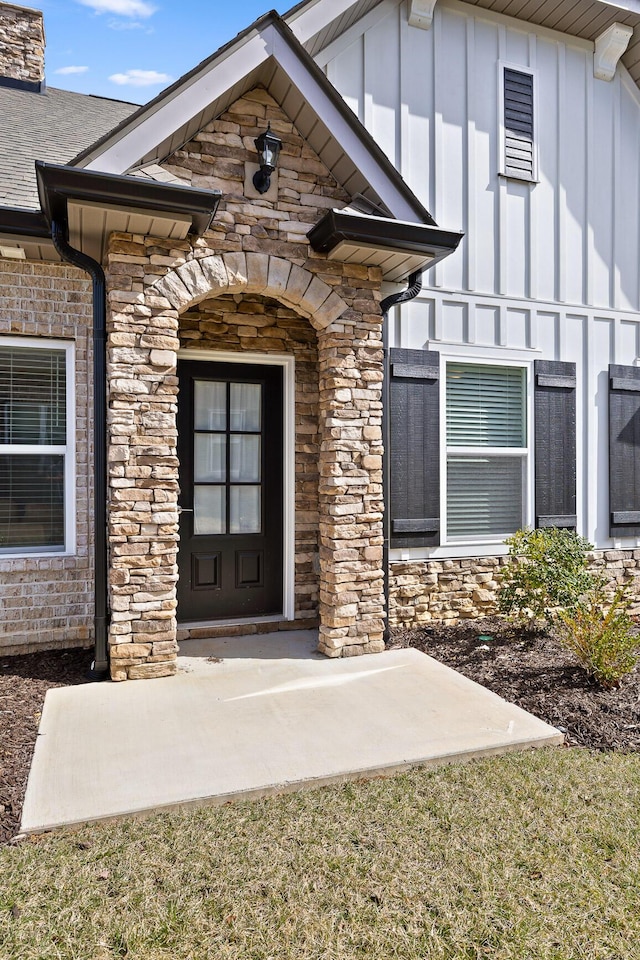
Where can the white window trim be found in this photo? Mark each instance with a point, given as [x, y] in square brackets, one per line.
[287, 362]
[502, 167]
[68, 450]
[474, 546]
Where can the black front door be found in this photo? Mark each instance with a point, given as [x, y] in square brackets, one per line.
[230, 450]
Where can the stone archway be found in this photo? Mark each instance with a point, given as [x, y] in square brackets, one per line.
[270, 276]
[143, 509]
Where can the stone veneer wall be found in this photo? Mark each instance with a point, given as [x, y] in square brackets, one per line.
[21, 43]
[260, 325]
[256, 245]
[47, 602]
[465, 589]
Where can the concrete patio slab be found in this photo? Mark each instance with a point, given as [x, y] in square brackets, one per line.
[249, 716]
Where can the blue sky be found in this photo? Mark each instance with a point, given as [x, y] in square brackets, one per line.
[131, 49]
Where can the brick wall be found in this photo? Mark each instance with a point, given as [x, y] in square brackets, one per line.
[47, 602]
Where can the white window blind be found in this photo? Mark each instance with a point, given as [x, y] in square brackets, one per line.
[486, 433]
[33, 448]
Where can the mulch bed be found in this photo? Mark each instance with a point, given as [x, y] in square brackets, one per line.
[24, 682]
[531, 668]
[527, 668]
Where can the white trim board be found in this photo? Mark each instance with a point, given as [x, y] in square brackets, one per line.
[287, 362]
[172, 115]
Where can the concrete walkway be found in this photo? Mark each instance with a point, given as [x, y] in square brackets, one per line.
[249, 716]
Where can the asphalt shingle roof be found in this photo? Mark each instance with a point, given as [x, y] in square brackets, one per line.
[53, 126]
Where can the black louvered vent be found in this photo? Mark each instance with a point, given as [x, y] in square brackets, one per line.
[518, 124]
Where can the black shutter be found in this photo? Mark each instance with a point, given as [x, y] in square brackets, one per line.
[555, 443]
[624, 450]
[414, 421]
[518, 124]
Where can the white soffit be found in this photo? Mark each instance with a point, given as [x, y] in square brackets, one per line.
[91, 223]
[395, 266]
[267, 56]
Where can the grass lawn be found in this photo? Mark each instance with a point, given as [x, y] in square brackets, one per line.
[530, 856]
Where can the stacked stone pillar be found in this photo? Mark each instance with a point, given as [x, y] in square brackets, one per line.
[351, 505]
[142, 388]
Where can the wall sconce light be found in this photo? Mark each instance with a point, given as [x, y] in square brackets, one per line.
[268, 147]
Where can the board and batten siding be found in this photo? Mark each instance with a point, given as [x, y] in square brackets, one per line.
[430, 98]
[547, 270]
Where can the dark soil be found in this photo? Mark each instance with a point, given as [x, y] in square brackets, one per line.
[24, 682]
[532, 669]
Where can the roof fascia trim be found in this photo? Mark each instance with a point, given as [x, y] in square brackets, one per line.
[309, 18]
[57, 184]
[343, 124]
[24, 223]
[340, 226]
[269, 37]
[132, 140]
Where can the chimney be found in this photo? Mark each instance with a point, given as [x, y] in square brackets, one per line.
[21, 48]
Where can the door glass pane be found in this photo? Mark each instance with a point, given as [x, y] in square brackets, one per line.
[209, 405]
[209, 457]
[245, 458]
[208, 510]
[246, 402]
[244, 510]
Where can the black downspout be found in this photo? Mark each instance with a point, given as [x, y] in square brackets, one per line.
[59, 233]
[413, 289]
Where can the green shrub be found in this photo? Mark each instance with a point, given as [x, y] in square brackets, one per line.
[599, 634]
[546, 569]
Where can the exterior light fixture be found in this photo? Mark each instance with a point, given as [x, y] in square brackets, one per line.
[268, 147]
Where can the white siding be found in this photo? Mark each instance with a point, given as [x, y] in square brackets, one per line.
[430, 98]
[549, 270]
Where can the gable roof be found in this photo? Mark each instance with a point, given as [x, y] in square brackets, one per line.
[268, 54]
[47, 126]
[316, 23]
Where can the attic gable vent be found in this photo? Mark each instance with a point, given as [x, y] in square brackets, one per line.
[518, 119]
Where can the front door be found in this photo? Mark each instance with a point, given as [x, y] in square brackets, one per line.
[230, 437]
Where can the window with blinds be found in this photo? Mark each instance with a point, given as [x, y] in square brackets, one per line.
[518, 120]
[33, 448]
[486, 436]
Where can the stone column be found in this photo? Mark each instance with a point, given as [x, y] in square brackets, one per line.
[351, 535]
[142, 344]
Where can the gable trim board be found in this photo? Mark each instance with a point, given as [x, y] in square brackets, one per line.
[340, 140]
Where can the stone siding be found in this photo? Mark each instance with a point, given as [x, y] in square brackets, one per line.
[465, 589]
[260, 325]
[256, 246]
[21, 43]
[47, 602]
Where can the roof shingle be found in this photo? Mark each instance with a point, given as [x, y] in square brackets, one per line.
[52, 126]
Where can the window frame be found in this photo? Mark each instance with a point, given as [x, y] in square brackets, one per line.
[67, 450]
[526, 452]
[502, 134]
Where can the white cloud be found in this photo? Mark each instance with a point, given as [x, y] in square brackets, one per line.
[122, 8]
[67, 71]
[140, 78]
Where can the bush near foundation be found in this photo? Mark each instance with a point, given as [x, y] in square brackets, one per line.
[546, 569]
[547, 578]
[600, 634]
